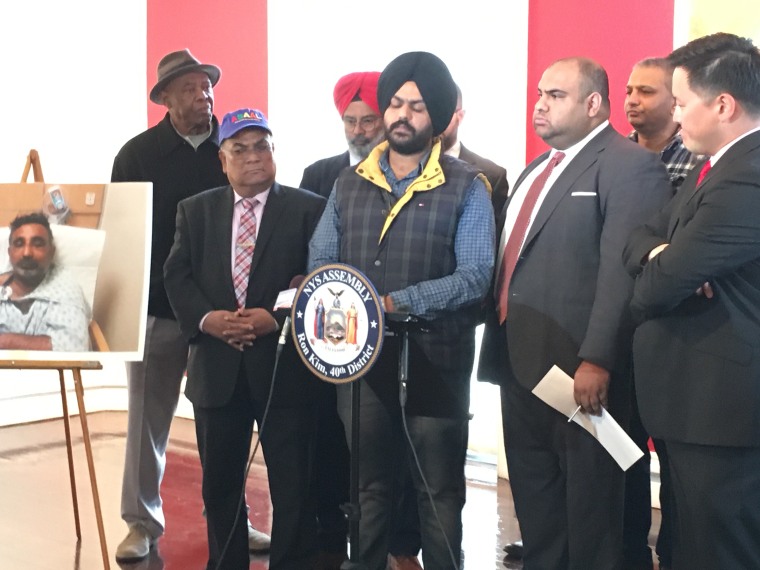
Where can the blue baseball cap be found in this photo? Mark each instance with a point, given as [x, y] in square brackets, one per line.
[236, 121]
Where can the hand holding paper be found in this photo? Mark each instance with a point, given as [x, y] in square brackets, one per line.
[556, 390]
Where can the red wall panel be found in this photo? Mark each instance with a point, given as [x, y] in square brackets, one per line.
[231, 35]
[616, 34]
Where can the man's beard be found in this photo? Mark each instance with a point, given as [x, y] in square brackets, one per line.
[418, 142]
[29, 272]
[361, 146]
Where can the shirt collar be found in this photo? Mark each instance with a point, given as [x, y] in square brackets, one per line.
[714, 158]
[385, 166]
[169, 139]
[674, 141]
[261, 198]
[572, 151]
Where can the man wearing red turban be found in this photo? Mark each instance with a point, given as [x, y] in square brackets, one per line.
[355, 98]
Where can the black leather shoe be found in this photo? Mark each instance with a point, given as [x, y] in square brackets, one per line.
[514, 550]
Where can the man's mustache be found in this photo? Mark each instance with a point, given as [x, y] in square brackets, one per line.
[27, 263]
[360, 140]
[403, 122]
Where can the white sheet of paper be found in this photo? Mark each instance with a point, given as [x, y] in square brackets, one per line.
[556, 390]
[285, 299]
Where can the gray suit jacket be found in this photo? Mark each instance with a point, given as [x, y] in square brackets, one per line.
[569, 294]
[198, 277]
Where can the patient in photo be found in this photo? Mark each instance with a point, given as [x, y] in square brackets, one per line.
[42, 307]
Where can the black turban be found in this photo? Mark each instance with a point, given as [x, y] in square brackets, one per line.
[433, 80]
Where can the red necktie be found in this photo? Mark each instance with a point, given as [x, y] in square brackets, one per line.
[702, 173]
[244, 246]
[517, 236]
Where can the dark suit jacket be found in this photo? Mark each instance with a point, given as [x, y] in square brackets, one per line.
[697, 360]
[569, 293]
[321, 176]
[198, 278]
[496, 175]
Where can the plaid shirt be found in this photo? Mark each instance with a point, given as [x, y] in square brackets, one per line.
[677, 158]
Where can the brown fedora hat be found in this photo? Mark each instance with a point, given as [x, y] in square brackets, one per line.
[178, 63]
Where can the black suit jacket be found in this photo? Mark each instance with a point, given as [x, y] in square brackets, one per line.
[697, 360]
[496, 175]
[198, 279]
[569, 294]
[321, 176]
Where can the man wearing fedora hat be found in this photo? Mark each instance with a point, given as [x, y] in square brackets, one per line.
[179, 156]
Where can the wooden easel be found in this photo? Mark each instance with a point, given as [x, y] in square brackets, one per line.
[76, 368]
[33, 163]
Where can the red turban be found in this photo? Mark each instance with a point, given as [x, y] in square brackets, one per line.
[362, 84]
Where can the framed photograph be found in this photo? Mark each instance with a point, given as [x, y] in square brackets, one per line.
[90, 293]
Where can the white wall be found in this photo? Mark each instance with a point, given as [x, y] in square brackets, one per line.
[312, 44]
[74, 75]
[75, 86]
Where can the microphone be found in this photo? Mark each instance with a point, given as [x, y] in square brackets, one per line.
[295, 283]
[284, 333]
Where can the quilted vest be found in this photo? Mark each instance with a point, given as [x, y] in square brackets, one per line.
[417, 245]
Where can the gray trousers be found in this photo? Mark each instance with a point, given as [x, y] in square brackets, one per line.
[153, 387]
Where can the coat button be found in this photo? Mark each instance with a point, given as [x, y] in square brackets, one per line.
[378, 263]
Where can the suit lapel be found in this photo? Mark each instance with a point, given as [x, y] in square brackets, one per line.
[273, 212]
[564, 183]
[528, 169]
[222, 210]
[465, 154]
[737, 152]
[690, 202]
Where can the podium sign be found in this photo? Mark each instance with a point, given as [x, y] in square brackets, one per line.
[338, 323]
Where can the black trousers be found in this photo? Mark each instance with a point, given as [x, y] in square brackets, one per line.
[717, 506]
[331, 472]
[224, 439]
[567, 490]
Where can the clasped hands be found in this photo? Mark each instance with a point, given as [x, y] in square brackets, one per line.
[240, 328]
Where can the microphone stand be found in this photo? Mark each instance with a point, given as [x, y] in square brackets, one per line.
[352, 509]
[398, 324]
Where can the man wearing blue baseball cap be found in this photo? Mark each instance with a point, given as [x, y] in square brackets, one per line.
[235, 248]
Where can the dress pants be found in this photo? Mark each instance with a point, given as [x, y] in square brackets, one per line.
[405, 524]
[717, 506]
[153, 388]
[224, 443]
[638, 500]
[441, 446]
[567, 490]
[331, 472]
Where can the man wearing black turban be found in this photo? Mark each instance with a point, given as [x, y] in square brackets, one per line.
[420, 225]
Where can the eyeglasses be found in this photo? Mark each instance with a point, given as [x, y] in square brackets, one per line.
[240, 151]
[365, 123]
